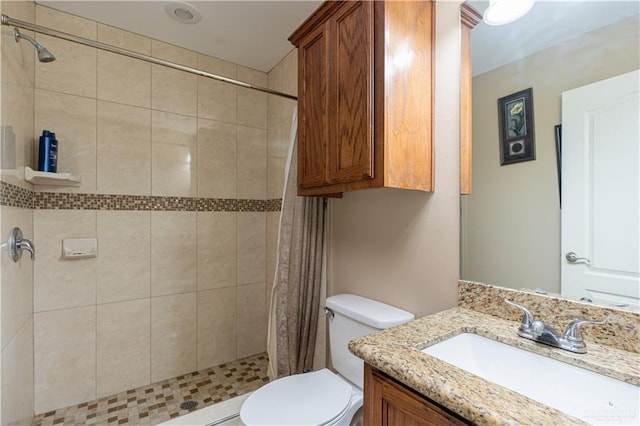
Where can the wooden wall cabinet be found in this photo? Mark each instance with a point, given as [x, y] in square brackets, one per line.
[365, 97]
[387, 402]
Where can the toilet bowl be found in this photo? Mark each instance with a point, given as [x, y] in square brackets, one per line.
[317, 398]
[324, 398]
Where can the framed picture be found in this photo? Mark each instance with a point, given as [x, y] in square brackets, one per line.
[515, 114]
[558, 134]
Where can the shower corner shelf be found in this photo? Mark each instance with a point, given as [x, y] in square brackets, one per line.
[53, 179]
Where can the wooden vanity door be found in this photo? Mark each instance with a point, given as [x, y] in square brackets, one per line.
[351, 135]
[388, 403]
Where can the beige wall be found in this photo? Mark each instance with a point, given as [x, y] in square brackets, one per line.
[511, 223]
[171, 291]
[401, 247]
[17, 76]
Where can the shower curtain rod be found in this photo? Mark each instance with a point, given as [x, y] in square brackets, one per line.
[6, 20]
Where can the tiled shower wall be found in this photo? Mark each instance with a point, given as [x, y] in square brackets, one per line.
[181, 170]
[17, 94]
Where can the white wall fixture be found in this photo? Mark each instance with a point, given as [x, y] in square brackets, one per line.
[79, 248]
[502, 12]
[183, 12]
[48, 178]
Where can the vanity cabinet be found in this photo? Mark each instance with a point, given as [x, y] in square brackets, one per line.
[365, 97]
[388, 402]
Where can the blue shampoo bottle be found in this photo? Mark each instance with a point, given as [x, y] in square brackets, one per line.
[48, 152]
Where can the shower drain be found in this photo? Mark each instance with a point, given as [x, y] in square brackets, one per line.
[188, 405]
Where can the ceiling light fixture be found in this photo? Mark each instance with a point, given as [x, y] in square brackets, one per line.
[183, 12]
[502, 12]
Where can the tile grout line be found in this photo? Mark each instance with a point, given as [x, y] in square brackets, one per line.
[151, 217]
[150, 303]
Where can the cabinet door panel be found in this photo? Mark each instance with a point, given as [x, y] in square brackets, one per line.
[408, 95]
[351, 136]
[313, 132]
[387, 403]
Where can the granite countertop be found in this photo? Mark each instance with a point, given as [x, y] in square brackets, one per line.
[397, 352]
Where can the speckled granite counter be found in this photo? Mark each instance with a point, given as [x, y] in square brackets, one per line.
[397, 352]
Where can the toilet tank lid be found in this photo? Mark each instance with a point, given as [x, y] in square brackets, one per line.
[375, 314]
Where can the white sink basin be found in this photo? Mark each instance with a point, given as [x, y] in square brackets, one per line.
[589, 396]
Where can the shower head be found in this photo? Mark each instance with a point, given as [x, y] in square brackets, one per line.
[43, 54]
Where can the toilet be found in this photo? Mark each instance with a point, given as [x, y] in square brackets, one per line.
[324, 397]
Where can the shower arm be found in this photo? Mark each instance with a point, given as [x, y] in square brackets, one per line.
[18, 35]
[7, 20]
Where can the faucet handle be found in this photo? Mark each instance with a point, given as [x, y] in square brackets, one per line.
[27, 245]
[573, 332]
[527, 319]
[17, 244]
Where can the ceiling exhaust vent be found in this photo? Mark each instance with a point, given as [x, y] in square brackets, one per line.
[183, 12]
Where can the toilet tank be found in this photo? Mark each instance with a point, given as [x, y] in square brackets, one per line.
[355, 316]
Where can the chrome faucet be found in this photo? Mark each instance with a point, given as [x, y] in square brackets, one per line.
[538, 331]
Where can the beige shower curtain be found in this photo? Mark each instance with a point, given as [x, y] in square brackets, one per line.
[298, 292]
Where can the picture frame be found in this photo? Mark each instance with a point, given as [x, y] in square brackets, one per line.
[515, 116]
[557, 129]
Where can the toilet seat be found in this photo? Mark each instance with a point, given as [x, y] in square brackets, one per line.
[316, 398]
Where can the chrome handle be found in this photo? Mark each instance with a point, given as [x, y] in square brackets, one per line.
[527, 319]
[17, 244]
[573, 329]
[573, 258]
[28, 246]
[329, 313]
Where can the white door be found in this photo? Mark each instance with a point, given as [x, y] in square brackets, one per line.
[601, 191]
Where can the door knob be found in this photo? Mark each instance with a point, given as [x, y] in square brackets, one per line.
[573, 258]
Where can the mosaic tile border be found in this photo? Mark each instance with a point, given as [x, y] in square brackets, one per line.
[16, 196]
[159, 402]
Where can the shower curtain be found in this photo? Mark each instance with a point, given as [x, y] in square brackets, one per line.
[298, 291]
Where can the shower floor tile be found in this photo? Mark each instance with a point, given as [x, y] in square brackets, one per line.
[159, 402]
